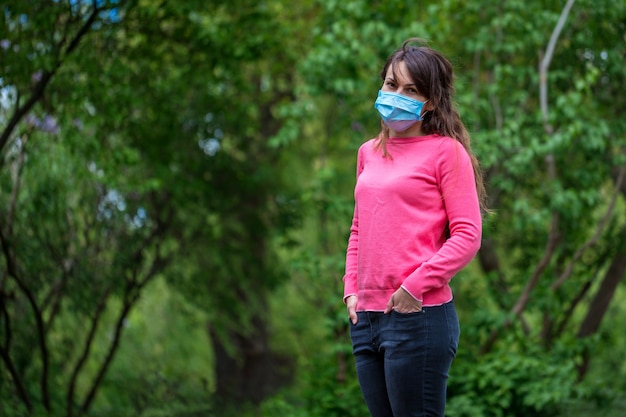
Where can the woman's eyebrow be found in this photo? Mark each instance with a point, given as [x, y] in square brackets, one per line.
[404, 85]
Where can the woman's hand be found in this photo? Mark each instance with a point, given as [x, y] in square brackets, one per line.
[403, 302]
[351, 303]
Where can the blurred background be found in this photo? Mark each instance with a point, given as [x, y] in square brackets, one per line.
[176, 185]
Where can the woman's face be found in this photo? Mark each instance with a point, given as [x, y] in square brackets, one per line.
[401, 83]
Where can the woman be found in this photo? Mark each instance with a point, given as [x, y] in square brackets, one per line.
[417, 222]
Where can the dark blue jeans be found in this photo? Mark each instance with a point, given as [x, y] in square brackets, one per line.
[402, 360]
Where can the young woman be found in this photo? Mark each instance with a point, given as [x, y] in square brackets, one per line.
[417, 222]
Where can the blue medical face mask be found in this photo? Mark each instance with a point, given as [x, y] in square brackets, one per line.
[397, 111]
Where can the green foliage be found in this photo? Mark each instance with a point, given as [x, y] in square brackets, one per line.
[126, 189]
[169, 336]
[326, 380]
[495, 51]
[326, 396]
[510, 383]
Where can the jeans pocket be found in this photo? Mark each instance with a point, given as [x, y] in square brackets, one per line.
[407, 327]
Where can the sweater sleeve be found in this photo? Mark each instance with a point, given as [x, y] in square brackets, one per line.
[455, 176]
[350, 277]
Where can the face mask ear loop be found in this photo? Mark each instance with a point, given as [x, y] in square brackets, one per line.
[424, 112]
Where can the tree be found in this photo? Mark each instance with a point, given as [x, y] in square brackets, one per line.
[145, 171]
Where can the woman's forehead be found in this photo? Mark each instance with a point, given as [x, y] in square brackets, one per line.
[399, 72]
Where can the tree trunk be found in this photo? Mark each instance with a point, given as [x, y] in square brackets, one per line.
[601, 301]
[247, 371]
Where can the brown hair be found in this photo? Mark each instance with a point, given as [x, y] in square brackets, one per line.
[433, 77]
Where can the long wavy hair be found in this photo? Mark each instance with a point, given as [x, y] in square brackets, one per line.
[433, 77]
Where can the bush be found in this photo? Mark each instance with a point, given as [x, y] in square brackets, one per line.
[511, 384]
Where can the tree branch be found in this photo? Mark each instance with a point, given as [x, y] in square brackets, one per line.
[46, 76]
[85, 354]
[84, 29]
[21, 111]
[574, 303]
[596, 236]
[553, 234]
[18, 167]
[522, 300]
[132, 293]
[545, 64]
[5, 353]
[127, 306]
[600, 303]
[41, 336]
[6, 357]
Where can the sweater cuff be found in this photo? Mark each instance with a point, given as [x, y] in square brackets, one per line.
[420, 299]
[345, 297]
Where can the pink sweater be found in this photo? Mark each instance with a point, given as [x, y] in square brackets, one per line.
[404, 207]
